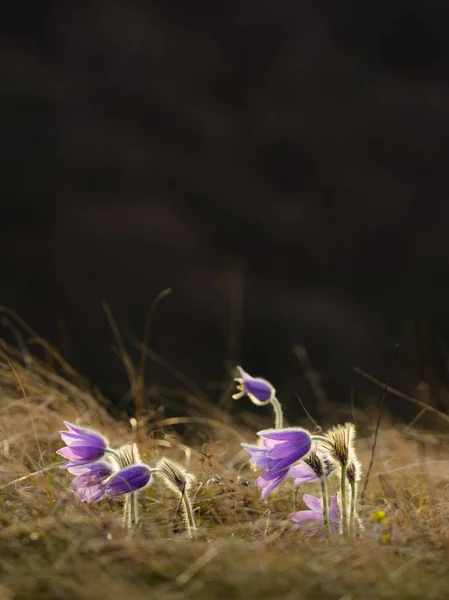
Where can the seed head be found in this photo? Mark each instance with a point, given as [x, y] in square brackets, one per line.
[175, 476]
[340, 443]
[320, 462]
[128, 455]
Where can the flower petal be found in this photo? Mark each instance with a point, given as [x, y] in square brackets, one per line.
[301, 473]
[276, 465]
[90, 494]
[76, 439]
[334, 512]
[258, 456]
[269, 481]
[306, 518]
[89, 453]
[313, 503]
[290, 434]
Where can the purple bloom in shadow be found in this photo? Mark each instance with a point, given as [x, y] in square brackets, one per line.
[313, 518]
[259, 391]
[83, 446]
[89, 480]
[128, 480]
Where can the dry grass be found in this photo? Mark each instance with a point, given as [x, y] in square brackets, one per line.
[53, 547]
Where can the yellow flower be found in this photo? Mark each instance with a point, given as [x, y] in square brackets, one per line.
[379, 516]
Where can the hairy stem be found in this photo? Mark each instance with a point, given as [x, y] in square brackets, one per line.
[344, 504]
[279, 416]
[127, 512]
[325, 498]
[353, 513]
[188, 515]
[134, 513]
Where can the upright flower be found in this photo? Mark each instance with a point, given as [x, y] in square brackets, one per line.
[83, 446]
[313, 517]
[281, 449]
[90, 480]
[260, 392]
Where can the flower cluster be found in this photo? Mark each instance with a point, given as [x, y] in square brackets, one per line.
[295, 453]
[101, 471]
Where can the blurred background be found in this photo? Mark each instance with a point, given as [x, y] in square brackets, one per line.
[282, 167]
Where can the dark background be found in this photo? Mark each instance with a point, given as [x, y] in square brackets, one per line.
[281, 165]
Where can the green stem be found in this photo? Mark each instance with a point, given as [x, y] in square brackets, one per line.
[325, 498]
[188, 515]
[113, 453]
[344, 505]
[353, 508]
[279, 417]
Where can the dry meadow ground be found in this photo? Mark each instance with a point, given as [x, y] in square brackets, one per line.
[54, 547]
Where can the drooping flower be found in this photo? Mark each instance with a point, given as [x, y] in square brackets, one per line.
[259, 391]
[90, 480]
[313, 518]
[128, 480]
[285, 446]
[83, 446]
[281, 449]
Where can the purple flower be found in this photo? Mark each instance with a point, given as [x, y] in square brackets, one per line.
[129, 479]
[259, 391]
[313, 518]
[83, 446]
[90, 480]
[285, 446]
[282, 448]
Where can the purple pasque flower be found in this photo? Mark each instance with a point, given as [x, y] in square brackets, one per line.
[83, 446]
[313, 518]
[268, 481]
[285, 446]
[128, 480]
[90, 480]
[281, 449]
[259, 391]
